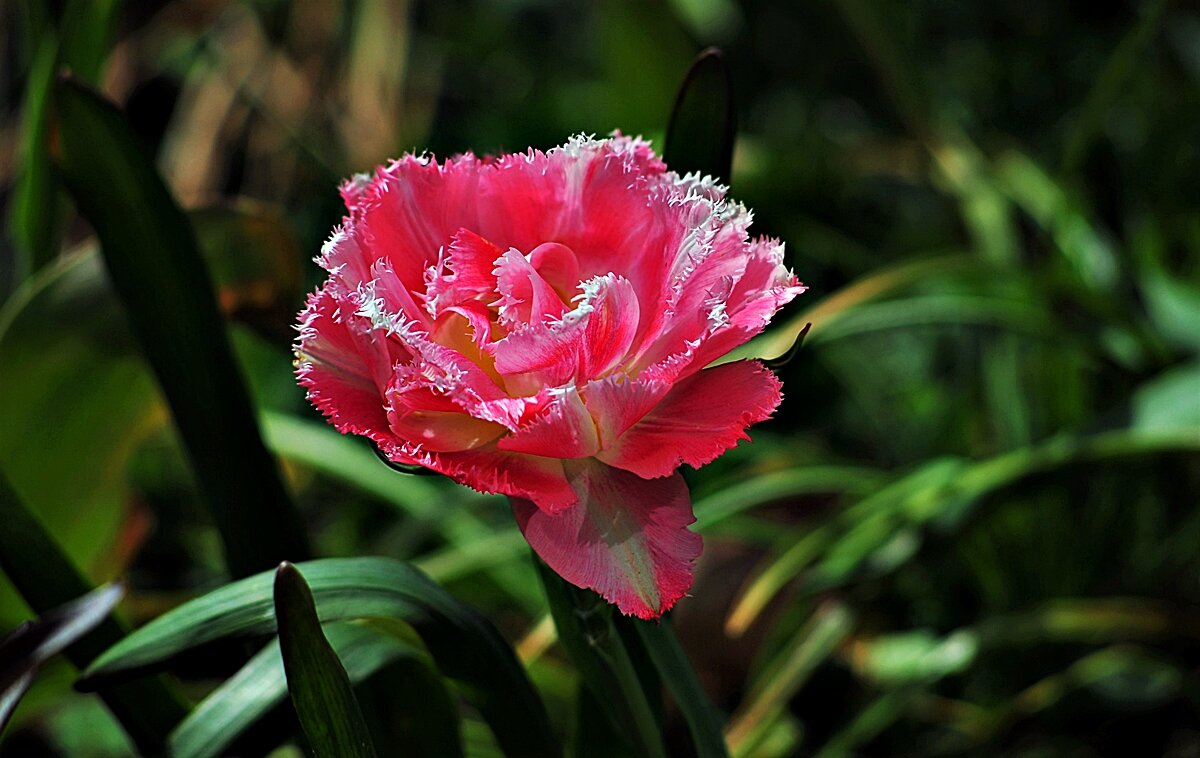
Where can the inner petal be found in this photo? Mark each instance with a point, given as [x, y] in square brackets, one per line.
[525, 296]
[558, 265]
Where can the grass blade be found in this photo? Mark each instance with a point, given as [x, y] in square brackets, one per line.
[703, 125]
[464, 645]
[156, 268]
[768, 699]
[36, 212]
[319, 687]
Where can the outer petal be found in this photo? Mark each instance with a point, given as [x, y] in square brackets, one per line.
[487, 469]
[627, 538]
[702, 417]
[344, 370]
[412, 209]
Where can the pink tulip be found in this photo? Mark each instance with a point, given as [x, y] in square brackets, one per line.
[541, 325]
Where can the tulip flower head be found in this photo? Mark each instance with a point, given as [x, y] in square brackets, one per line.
[543, 325]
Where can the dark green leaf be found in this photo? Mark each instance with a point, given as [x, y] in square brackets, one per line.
[319, 687]
[157, 270]
[46, 578]
[703, 719]
[260, 685]
[464, 645]
[703, 124]
[32, 643]
[36, 212]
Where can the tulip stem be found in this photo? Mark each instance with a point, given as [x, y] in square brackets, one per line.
[586, 629]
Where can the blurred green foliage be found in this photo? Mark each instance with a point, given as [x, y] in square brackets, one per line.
[972, 526]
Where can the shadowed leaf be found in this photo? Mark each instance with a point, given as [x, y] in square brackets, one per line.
[320, 689]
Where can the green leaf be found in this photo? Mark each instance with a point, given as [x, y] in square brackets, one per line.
[319, 687]
[156, 268]
[883, 531]
[702, 717]
[585, 628]
[1170, 401]
[34, 642]
[36, 213]
[917, 657]
[260, 686]
[79, 374]
[147, 708]
[87, 28]
[465, 646]
[37, 210]
[703, 125]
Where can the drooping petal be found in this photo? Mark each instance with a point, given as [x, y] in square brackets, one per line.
[700, 418]
[627, 538]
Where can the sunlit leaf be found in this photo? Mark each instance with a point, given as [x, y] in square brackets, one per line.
[33, 643]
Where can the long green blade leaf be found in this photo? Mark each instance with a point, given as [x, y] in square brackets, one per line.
[464, 645]
[319, 687]
[703, 124]
[703, 719]
[156, 268]
[147, 708]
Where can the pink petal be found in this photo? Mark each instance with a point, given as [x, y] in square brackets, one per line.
[345, 371]
[700, 418]
[764, 288]
[435, 422]
[610, 327]
[618, 402]
[467, 272]
[539, 355]
[412, 209]
[627, 538]
[558, 265]
[532, 478]
[563, 430]
[525, 297]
